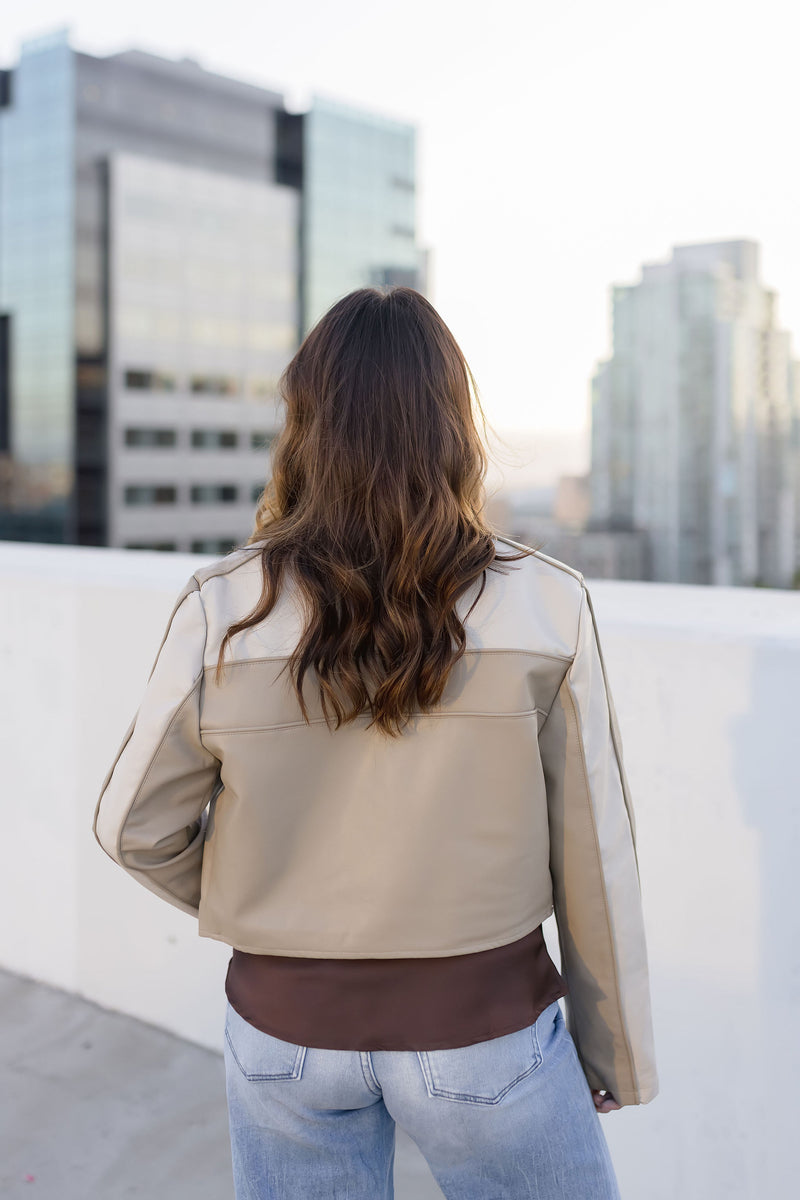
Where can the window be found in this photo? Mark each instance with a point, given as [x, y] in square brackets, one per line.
[150, 546]
[214, 439]
[150, 494]
[255, 492]
[91, 375]
[213, 546]
[150, 437]
[214, 493]
[263, 386]
[261, 441]
[214, 385]
[149, 381]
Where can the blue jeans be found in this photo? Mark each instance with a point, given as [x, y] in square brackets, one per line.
[511, 1117]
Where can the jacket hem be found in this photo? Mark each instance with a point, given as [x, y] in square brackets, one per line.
[472, 948]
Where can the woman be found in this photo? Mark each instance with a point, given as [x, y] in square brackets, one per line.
[375, 752]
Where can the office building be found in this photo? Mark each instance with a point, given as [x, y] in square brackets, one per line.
[167, 234]
[359, 193]
[694, 421]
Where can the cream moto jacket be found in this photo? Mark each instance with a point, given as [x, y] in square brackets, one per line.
[466, 832]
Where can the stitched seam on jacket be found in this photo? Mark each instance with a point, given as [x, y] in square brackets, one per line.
[569, 664]
[226, 570]
[185, 594]
[246, 662]
[187, 591]
[612, 943]
[150, 765]
[528, 712]
[616, 742]
[536, 552]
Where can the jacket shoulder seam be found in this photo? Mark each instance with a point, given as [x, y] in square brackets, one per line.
[204, 574]
[545, 558]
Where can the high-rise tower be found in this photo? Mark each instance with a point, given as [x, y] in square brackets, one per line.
[694, 420]
[166, 236]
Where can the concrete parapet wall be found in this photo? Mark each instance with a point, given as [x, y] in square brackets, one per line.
[706, 684]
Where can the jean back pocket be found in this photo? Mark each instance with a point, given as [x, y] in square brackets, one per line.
[260, 1056]
[482, 1073]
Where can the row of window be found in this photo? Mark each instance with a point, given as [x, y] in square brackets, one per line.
[198, 546]
[146, 494]
[145, 380]
[201, 439]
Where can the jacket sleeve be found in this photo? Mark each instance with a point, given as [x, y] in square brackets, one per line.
[595, 874]
[151, 815]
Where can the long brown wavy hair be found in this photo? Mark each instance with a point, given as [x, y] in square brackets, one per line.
[374, 507]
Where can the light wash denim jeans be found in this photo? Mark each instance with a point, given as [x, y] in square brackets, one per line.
[504, 1119]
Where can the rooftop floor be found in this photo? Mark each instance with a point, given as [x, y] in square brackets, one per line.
[99, 1106]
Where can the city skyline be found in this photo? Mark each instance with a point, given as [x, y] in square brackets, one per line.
[554, 162]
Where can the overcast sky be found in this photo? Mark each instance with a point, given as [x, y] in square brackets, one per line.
[560, 146]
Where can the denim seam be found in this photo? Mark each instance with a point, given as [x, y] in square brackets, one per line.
[367, 1070]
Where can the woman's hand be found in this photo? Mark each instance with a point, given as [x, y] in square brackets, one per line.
[603, 1101]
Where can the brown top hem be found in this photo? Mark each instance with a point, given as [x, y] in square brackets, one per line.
[395, 1004]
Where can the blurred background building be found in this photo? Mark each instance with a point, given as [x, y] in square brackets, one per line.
[359, 192]
[167, 235]
[695, 434]
[695, 421]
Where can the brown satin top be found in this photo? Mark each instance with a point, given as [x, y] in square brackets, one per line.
[395, 1003]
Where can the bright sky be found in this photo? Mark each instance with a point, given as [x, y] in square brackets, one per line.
[560, 146]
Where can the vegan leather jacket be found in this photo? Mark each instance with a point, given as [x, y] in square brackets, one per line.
[508, 801]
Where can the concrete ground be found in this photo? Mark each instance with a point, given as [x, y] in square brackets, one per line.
[98, 1106]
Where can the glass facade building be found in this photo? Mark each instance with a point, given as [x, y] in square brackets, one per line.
[37, 286]
[166, 234]
[694, 421]
[359, 194]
